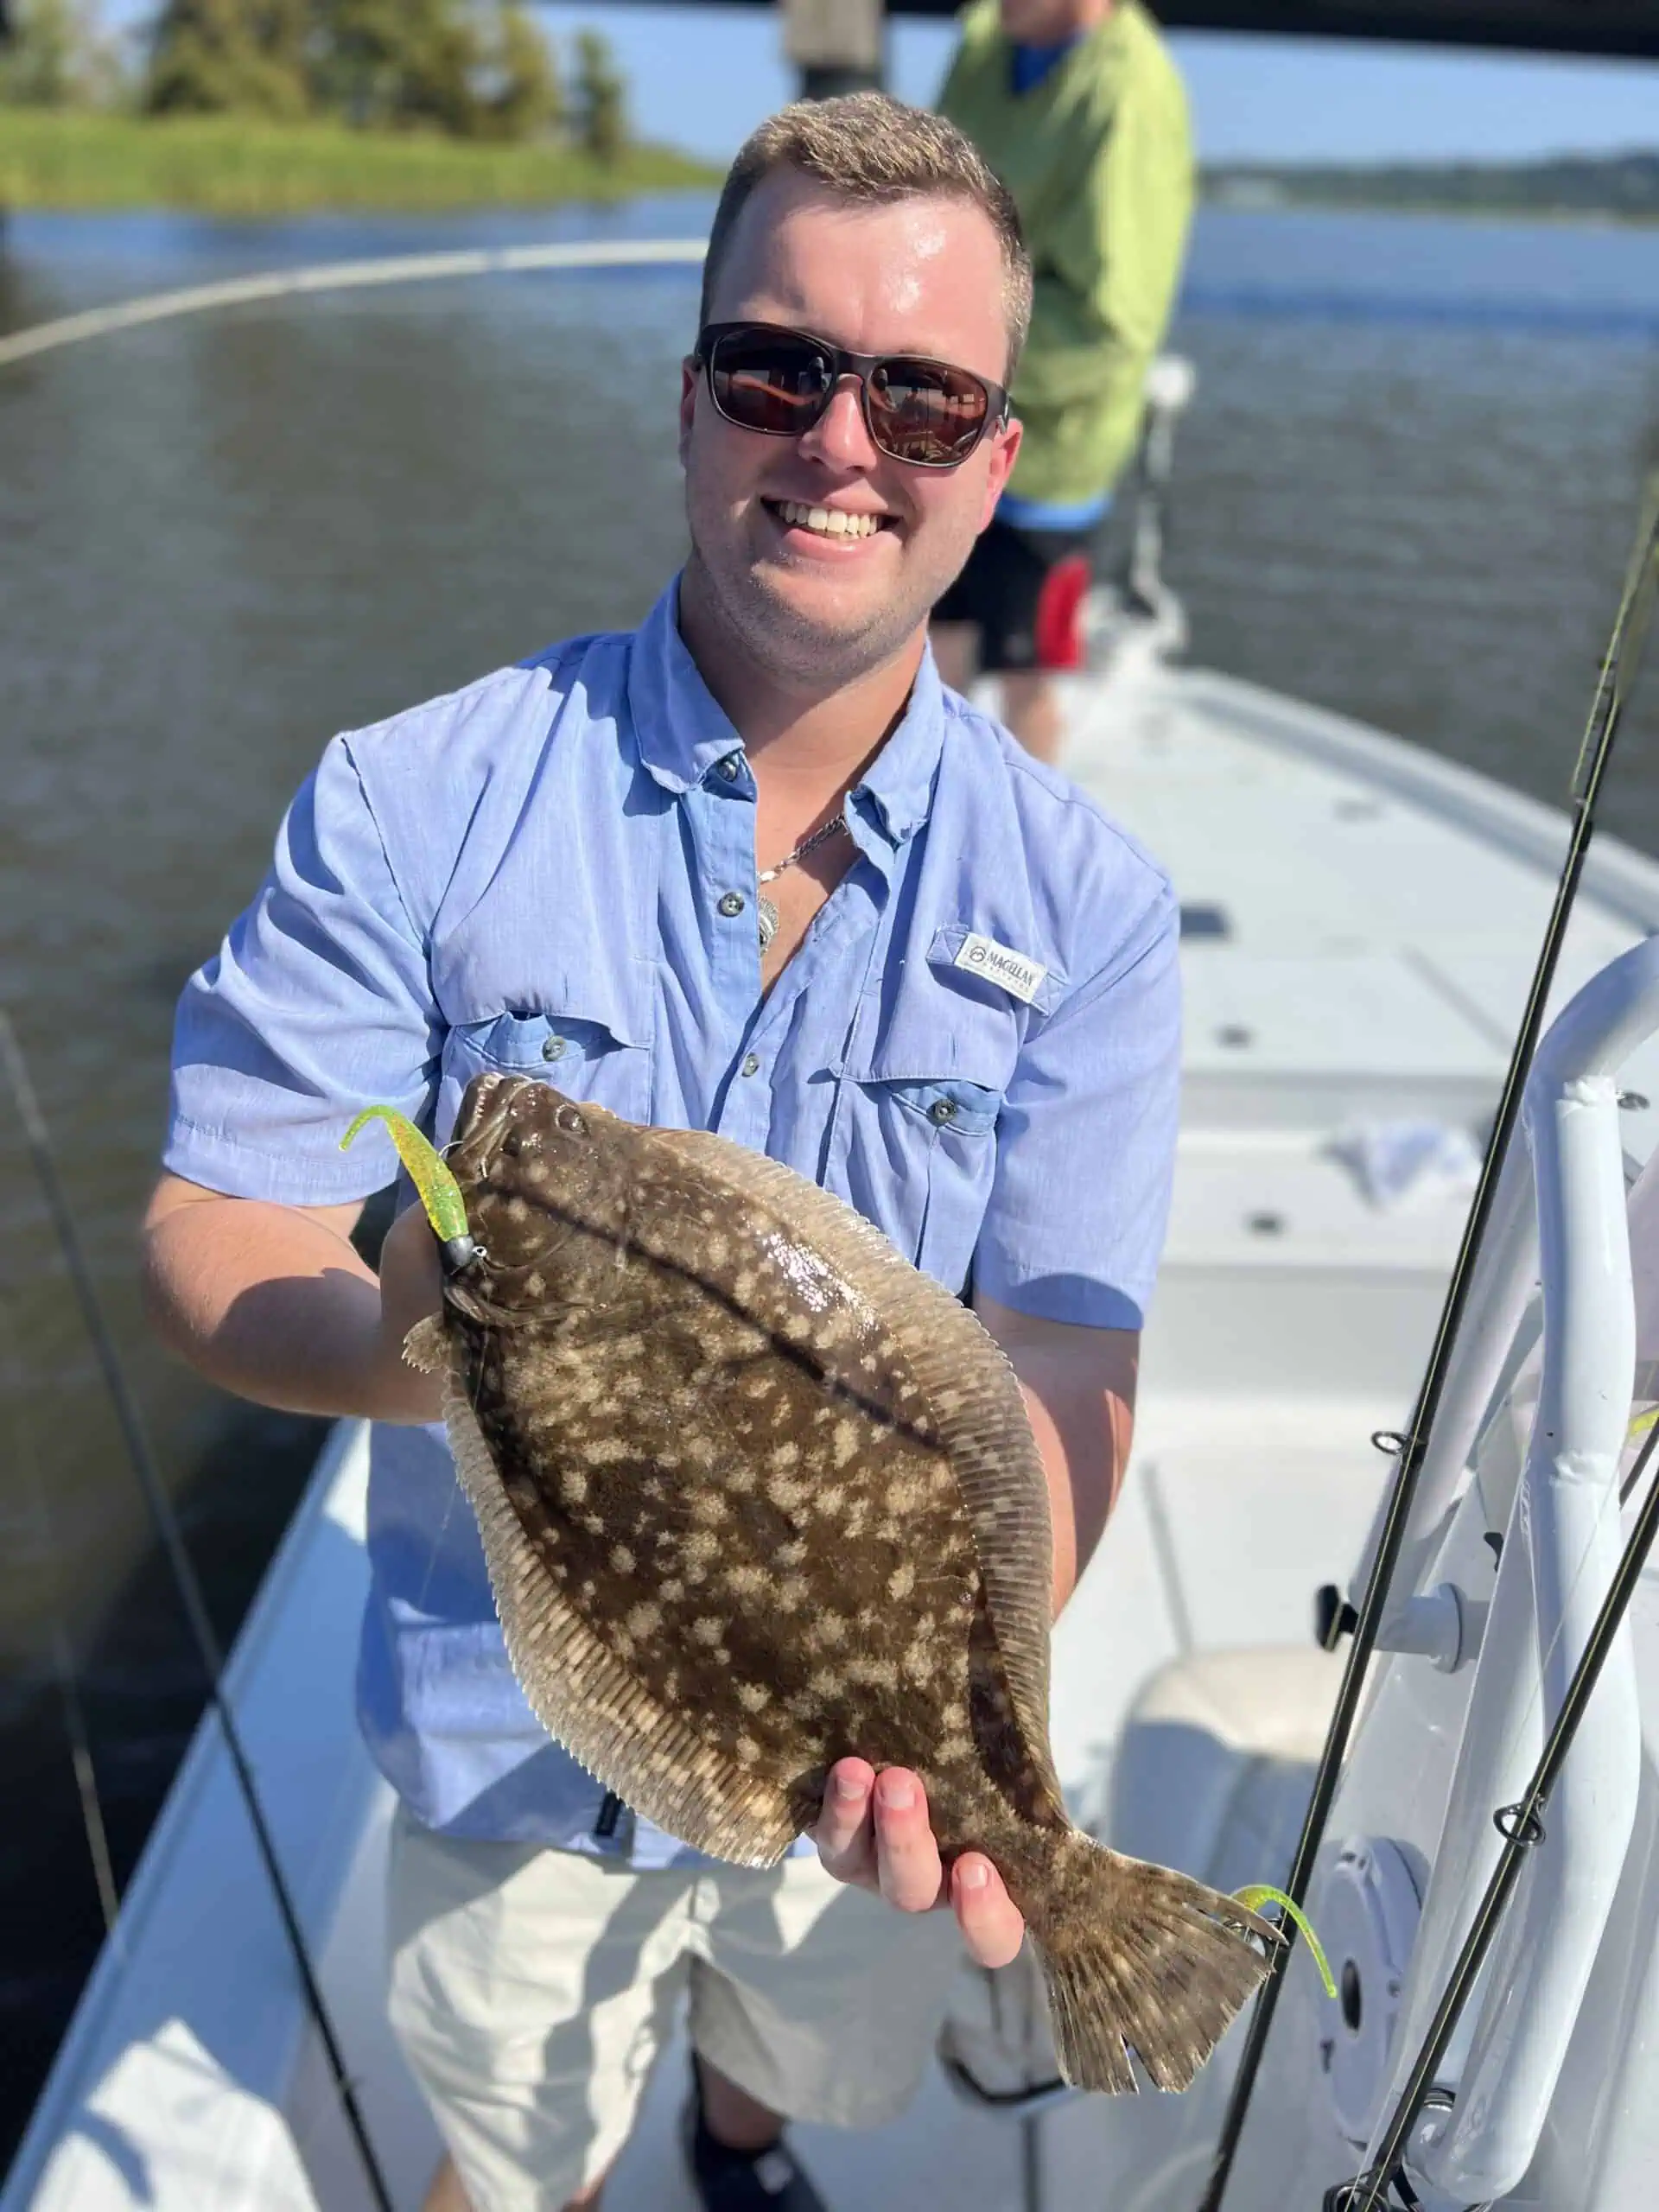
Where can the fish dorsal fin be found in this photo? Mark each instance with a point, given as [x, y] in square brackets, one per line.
[975, 1407]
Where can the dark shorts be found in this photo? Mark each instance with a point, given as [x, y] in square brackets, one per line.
[1024, 590]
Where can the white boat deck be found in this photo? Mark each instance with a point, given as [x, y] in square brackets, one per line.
[1362, 922]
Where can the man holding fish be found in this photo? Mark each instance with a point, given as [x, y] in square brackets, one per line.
[749, 869]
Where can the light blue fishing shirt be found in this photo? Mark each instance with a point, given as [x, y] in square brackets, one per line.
[553, 873]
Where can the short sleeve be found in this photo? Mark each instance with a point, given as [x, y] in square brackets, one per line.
[317, 1004]
[1086, 1142]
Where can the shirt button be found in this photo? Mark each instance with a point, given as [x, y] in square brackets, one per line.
[943, 1109]
[733, 905]
[729, 767]
[553, 1049]
[751, 1063]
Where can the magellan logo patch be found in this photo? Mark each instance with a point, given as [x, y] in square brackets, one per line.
[1000, 964]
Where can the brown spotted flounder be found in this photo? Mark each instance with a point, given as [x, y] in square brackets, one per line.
[756, 1495]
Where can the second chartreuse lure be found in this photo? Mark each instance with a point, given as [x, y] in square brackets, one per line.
[1260, 1893]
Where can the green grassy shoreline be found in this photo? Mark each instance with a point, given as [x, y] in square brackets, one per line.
[223, 165]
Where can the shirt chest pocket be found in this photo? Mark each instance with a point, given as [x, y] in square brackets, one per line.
[917, 1120]
[582, 1055]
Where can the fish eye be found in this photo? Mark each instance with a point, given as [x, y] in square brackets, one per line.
[570, 1122]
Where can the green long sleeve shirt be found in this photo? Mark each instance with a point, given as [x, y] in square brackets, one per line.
[1098, 157]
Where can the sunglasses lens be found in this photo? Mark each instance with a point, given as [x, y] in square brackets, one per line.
[768, 380]
[778, 381]
[926, 412]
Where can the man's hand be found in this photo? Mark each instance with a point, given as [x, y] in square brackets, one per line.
[411, 1288]
[873, 1832]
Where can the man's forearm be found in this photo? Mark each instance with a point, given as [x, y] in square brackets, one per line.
[1078, 1385]
[275, 1306]
[1083, 1434]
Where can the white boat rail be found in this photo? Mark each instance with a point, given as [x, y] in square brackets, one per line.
[1560, 1553]
[1414, 1619]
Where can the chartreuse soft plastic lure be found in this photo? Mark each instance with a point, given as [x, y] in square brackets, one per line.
[1260, 1893]
[439, 1192]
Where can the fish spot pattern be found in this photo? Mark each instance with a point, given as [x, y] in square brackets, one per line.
[716, 1449]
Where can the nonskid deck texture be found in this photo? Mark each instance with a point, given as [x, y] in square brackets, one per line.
[1361, 923]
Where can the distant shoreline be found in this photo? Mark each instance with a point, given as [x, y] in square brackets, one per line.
[1461, 210]
[1457, 210]
[1622, 188]
[225, 165]
[81, 161]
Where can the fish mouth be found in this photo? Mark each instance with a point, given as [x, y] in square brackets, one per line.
[485, 1116]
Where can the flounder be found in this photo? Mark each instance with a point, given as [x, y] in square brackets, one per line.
[756, 1495]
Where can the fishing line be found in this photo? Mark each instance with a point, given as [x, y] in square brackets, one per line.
[1522, 1827]
[186, 1585]
[1618, 668]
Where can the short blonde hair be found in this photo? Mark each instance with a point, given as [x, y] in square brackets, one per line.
[870, 149]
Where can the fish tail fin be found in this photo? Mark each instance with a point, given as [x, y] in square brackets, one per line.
[1135, 1957]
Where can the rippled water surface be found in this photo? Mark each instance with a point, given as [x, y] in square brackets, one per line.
[1406, 491]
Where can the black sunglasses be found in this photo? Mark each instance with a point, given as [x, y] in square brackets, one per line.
[778, 382]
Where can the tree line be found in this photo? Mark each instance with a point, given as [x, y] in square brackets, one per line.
[477, 69]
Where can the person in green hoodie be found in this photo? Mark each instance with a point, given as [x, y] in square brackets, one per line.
[1079, 108]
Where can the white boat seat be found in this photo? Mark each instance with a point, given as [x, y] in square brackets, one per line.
[1216, 1761]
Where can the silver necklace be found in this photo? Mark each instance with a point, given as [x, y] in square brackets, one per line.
[765, 912]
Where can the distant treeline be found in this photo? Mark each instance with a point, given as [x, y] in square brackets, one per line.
[466, 69]
[1620, 185]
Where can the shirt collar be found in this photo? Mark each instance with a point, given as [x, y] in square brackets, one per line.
[679, 729]
[902, 775]
[682, 733]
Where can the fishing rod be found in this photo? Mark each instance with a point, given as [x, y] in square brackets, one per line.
[185, 1580]
[604, 254]
[1618, 670]
[1522, 1827]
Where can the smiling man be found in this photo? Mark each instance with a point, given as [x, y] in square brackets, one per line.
[748, 868]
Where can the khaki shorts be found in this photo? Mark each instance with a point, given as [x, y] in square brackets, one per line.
[531, 1990]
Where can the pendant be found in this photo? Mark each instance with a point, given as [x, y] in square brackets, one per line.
[765, 920]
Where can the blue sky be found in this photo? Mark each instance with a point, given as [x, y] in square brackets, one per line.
[702, 77]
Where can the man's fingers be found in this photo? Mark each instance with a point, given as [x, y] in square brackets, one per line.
[989, 1920]
[874, 1831]
[907, 1857]
[845, 1833]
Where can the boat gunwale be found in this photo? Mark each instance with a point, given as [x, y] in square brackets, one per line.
[66, 2082]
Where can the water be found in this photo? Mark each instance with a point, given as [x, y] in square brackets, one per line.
[1406, 492]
